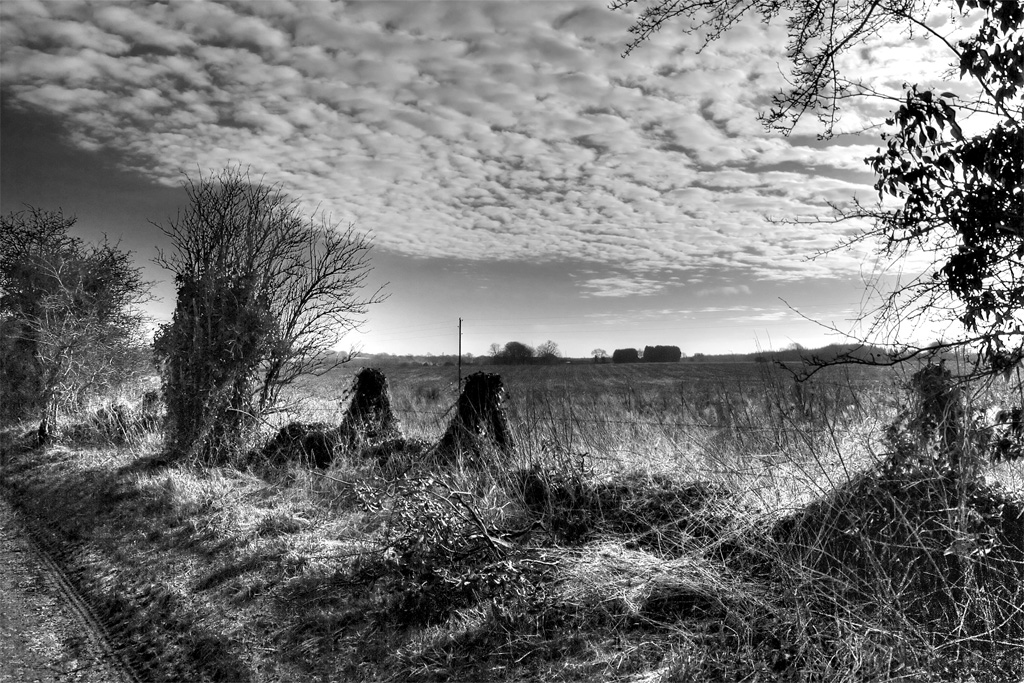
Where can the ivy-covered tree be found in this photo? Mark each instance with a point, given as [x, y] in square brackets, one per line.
[956, 196]
[264, 295]
[70, 316]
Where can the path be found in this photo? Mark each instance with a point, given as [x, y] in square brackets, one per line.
[47, 633]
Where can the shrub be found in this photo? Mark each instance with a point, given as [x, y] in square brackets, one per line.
[70, 324]
[437, 554]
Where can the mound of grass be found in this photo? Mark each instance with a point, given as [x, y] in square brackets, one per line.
[654, 511]
[947, 554]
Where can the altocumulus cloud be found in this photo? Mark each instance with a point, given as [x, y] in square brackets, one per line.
[476, 130]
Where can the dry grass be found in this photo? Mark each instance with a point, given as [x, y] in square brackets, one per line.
[650, 530]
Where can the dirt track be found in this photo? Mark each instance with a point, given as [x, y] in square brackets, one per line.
[47, 633]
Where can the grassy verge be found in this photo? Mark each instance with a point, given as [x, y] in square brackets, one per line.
[555, 566]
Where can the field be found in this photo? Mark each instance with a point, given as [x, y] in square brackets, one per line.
[677, 522]
[749, 423]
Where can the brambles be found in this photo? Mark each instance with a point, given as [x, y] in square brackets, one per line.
[437, 554]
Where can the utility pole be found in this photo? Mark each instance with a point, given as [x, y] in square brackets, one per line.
[459, 385]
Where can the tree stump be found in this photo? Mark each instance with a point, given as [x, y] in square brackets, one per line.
[480, 418]
[930, 433]
[369, 419]
[311, 444]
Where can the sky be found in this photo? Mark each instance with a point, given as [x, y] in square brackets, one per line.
[512, 168]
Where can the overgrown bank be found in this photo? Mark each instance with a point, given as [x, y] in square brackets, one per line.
[396, 564]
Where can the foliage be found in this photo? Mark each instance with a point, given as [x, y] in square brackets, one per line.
[21, 391]
[69, 312]
[962, 197]
[263, 295]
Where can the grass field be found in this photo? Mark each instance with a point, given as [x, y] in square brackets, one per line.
[738, 421]
[683, 522]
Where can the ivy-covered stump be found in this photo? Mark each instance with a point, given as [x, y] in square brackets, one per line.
[370, 418]
[480, 422]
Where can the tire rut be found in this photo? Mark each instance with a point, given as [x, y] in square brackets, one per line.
[48, 632]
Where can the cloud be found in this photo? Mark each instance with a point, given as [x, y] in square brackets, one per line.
[621, 286]
[485, 131]
[726, 290]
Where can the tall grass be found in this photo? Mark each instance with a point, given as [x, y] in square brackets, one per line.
[656, 524]
[750, 425]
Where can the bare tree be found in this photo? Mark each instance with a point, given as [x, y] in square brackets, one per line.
[548, 352]
[72, 323]
[264, 293]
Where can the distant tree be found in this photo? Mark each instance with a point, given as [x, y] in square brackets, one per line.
[495, 350]
[600, 355]
[263, 294]
[516, 353]
[548, 352]
[69, 313]
[625, 356]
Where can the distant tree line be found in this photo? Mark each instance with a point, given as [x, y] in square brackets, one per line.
[794, 353]
[651, 354]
